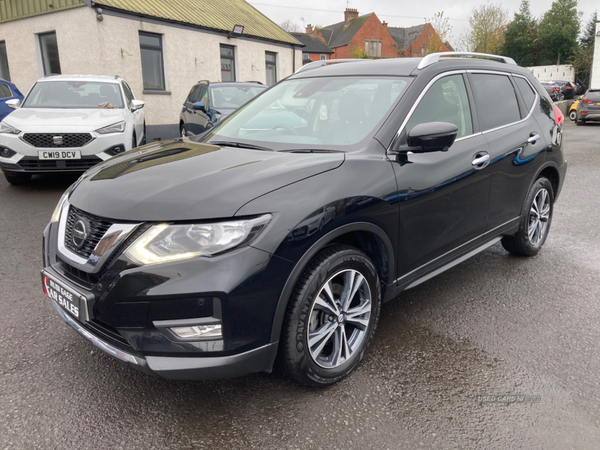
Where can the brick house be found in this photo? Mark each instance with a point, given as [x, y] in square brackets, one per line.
[412, 41]
[360, 36]
[315, 48]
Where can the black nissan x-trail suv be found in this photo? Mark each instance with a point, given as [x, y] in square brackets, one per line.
[276, 235]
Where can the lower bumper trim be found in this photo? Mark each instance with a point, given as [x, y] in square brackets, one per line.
[184, 368]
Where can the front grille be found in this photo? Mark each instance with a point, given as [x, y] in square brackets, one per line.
[57, 140]
[30, 163]
[86, 279]
[97, 229]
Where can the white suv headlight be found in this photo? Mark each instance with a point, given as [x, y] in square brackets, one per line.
[7, 129]
[165, 243]
[118, 127]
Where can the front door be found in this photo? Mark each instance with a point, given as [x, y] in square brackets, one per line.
[443, 196]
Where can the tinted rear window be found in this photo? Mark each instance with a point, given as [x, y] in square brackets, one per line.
[496, 100]
[593, 96]
[526, 91]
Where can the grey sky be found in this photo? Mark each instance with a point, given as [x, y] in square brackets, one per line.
[325, 12]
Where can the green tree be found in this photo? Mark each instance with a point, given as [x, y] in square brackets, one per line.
[520, 37]
[589, 34]
[583, 56]
[558, 32]
[486, 29]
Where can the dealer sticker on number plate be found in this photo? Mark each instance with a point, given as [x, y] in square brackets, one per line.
[66, 298]
[59, 154]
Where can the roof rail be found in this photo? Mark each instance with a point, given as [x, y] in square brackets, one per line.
[255, 82]
[435, 57]
[316, 64]
[203, 81]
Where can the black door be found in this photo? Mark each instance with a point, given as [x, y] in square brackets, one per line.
[188, 111]
[443, 196]
[515, 139]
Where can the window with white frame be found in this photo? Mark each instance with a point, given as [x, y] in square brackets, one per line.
[271, 68]
[49, 53]
[4, 72]
[227, 63]
[153, 73]
[373, 47]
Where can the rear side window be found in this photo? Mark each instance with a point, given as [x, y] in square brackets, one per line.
[495, 100]
[526, 91]
[193, 97]
[5, 91]
[445, 101]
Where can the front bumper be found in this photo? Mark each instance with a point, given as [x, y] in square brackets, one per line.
[26, 158]
[183, 368]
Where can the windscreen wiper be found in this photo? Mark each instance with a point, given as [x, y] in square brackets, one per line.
[240, 145]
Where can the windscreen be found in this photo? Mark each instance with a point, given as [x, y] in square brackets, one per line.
[74, 94]
[232, 97]
[314, 112]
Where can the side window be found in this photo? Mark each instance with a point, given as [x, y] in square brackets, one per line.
[203, 96]
[495, 99]
[526, 91]
[445, 101]
[5, 91]
[193, 97]
[4, 72]
[128, 94]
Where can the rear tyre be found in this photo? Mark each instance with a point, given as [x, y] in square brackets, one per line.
[579, 122]
[182, 131]
[143, 142]
[536, 218]
[331, 317]
[17, 178]
[573, 115]
[134, 141]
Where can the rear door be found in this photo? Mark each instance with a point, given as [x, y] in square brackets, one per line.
[516, 141]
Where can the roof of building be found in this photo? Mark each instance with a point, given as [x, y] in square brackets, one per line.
[220, 15]
[21, 9]
[312, 43]
[405, 37]
[340, 34]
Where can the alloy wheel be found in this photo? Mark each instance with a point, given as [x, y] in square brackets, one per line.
[539, 214]
[339, 318]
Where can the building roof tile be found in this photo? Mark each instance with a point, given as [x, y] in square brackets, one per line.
[312, 43]
[340, 34]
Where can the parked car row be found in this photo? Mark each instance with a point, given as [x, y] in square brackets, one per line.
[69, 123]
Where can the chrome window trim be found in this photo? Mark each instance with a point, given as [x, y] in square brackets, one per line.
[418, 101]
[112, 239]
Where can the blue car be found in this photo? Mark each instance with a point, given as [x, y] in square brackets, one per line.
[8, 91]
[207, 103]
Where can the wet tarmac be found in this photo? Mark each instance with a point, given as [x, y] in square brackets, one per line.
[495, 325]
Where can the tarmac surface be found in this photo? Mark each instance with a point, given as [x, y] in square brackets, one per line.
[494, 325]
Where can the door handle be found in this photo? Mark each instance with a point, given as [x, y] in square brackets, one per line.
[533, 138]
[481, 159]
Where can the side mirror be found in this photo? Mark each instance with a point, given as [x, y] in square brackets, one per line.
[200, 106]
[14, 103]
[432, 137]
[137, 104]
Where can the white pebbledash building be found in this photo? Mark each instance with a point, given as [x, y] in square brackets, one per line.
[160, 47]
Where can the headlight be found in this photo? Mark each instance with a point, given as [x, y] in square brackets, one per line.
[56, 214]
[165, 243]
[7, 129]
[118, 127]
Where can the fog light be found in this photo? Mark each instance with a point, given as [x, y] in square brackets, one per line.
[113, 151]
[198, 331]
[6, 152]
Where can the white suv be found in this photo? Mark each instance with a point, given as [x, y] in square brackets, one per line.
[69, 123]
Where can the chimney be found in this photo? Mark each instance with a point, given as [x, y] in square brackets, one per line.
[349, 14]
[309, 29]
[385, 24]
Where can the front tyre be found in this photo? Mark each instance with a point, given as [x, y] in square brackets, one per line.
[331, 317]
[536, 218]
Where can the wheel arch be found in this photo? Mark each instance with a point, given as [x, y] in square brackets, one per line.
[550, 171]
[365, 236]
